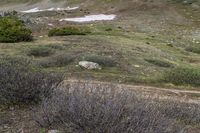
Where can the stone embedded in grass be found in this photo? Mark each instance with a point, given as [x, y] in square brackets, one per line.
[89, 65]
[105, 61]
[54, 131]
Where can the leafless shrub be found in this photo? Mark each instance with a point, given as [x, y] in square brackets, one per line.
[187, 113]
[87, 108]
[21, 84]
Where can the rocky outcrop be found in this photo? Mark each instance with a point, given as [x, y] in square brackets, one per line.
[8, 13]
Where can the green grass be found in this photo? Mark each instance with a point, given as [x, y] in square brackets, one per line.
[69, 30]
[184, 76]
[120, 61]
[40, 51]
[59, 60]
[159, 62]
[193, 49]
[125, 55]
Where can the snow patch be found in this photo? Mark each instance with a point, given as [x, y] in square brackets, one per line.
[34, 10]
[89, 18]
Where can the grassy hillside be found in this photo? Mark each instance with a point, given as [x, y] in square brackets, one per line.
[147, 40]
[149, 43]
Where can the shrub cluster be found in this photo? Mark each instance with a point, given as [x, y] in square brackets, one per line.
[193, 49]
[57, 61]
[159, 63]
[101, 60]
[20, 84]
[69, 30]
[184, 76]
[13, 30]
[83, 107]
[40, 51]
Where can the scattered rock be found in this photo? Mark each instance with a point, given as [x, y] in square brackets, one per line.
[25, 19]
[195, 6]
[54, 131]
[187, 2]
[137, 66]
[89, 65]
[8, 13]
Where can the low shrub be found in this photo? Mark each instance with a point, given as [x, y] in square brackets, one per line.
[193, 49]
[83, 107]
[69, 30]
[101, 60]
[160, 63]
[184, 1]
[40, 51]
[56, 46]
[183, 76]
[188, 113]
[57, 61]
[19, 84]
[13, 30]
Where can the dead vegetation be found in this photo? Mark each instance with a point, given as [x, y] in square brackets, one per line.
[105, 108]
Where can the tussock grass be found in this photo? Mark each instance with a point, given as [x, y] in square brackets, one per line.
[40, 51]
[184, 76]
[57, 61]
[69, 30]
[159, 62]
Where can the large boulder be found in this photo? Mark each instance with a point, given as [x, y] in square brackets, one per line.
[89, 65]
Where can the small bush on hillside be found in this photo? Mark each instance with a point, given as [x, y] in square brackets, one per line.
[184, 1]
[56, 46]
[40, 51]
[57, 61]
[70, 30]
[159, 63]
[101, 60]
[20, 84]
[86, 108]
[13, 30]
[188, 113]
[193, 49]
[184, 76]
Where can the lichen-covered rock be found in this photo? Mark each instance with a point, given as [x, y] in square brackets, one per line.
[89, 65]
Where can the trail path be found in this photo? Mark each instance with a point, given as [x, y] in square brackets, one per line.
[135, 86]
[150, 92]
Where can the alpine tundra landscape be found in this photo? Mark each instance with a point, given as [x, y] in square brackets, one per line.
[99, 66]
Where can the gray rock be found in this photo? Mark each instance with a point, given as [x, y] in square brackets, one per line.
[54, 131]
[89, 65]
[8, 13]
[195, 6]
[25, 19]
